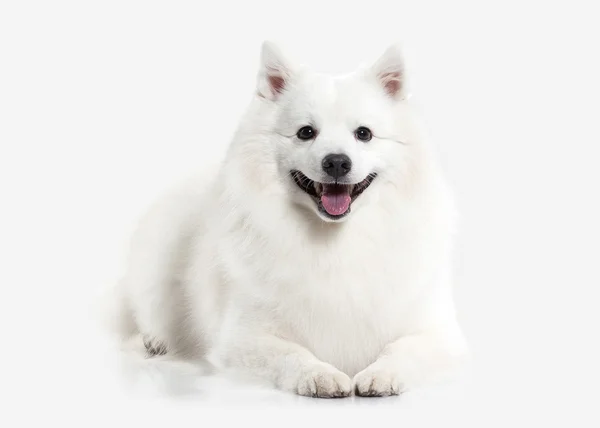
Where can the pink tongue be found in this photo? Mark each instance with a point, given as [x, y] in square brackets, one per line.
[335, 199]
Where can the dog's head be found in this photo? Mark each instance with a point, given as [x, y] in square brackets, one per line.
[330, 139]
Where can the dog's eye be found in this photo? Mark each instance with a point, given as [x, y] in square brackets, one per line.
[306, 133]
[363, 134]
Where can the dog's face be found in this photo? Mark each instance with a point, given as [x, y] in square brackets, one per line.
[333, 137]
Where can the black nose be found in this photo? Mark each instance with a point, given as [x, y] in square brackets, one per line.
[337, 165]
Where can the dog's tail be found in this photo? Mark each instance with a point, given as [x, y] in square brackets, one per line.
[115, 314]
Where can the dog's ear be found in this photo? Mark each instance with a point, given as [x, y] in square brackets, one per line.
[274, 73]
[390, 73]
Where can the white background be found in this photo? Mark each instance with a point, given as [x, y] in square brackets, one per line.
[104, 103]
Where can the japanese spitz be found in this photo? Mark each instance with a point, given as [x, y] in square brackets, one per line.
[316, 255]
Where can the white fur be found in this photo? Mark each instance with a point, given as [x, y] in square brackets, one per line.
[240, 267]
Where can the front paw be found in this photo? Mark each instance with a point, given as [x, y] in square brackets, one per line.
[324, 381]
[378, 381]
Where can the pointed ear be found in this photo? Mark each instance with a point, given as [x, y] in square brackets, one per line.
[389, 72]
[274, 73]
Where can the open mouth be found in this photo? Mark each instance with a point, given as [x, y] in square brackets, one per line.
[333, 199]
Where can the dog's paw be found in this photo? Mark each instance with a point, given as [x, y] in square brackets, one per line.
[377, 381]
[324, 381]
[154, 347]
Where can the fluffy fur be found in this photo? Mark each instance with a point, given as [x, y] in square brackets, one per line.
[242, 268]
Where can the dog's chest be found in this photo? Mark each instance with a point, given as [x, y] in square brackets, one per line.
[344, 300]
[347, 312]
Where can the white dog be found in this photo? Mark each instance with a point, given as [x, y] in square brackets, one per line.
[317, 255]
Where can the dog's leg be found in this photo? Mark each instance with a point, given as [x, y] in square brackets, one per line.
[287, 365]
[408, 362]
